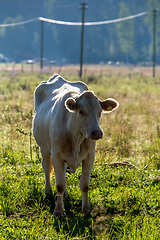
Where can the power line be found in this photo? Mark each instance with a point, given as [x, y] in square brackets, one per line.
[82, 24]
[115, 20]
[74, 23]
[19, 23]
[66, 5]
[23, 4]
[93, 23]
[39, 6]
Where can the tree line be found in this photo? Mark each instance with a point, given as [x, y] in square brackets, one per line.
[128, 41]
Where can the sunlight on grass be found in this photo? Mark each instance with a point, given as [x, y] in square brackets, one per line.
[125, 202]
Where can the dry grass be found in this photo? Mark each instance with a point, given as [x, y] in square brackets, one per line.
[124, 201]
[92, 70]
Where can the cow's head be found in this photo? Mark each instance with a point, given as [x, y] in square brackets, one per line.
[87, 109]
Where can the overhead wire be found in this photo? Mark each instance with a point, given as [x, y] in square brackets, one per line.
[19, 23]
[74, 23]
[92, 23]
[40, 6]
[23, 4]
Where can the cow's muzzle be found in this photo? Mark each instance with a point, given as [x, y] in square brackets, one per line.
[96, 134]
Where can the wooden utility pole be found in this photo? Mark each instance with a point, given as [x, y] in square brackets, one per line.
[41, 54]
[83, 7]
[154, 40]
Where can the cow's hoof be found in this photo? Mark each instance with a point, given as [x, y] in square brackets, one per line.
[58, 213]
[87, 214]
[86, 210]
[48, 191]
[65, 195]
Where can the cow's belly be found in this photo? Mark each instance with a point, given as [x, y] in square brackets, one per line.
[41, 132]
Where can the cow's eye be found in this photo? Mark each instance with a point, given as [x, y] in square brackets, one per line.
[81, 113]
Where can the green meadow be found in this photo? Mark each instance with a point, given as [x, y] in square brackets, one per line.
[124, 189]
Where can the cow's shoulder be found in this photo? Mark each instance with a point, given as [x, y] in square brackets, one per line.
[80, 85]
[56, 82]
[46, 89]
[55, 85]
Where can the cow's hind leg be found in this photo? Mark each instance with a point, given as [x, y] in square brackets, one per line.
[48, 169]
[60, 172]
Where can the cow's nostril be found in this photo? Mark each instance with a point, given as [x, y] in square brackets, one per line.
[96, 134]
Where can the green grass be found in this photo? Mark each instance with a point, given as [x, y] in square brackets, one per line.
[125, 202]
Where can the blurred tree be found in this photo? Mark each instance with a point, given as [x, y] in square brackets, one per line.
[153, 5]
[112, 42]
[125, 31]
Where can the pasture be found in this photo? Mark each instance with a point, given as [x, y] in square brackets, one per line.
[124, 197]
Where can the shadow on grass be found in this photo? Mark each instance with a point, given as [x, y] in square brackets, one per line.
[74, 225]
[73, 222]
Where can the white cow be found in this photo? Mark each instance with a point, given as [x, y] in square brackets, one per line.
[66, 127]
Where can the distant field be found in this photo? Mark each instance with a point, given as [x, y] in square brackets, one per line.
[88, 70]
[125, 201]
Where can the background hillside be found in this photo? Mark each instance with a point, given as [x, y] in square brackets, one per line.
[129, 41]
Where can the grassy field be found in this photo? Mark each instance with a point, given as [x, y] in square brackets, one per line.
[125, 201]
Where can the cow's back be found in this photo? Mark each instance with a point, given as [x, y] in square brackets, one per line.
[52, 87]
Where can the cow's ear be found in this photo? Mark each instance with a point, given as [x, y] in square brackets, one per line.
[109, 105]
[71, 104]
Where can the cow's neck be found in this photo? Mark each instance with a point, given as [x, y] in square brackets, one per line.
[76, 139]
[73, 140]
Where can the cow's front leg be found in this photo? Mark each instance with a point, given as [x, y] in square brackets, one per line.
[60, 172]
[48, 169]
[84, 183]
